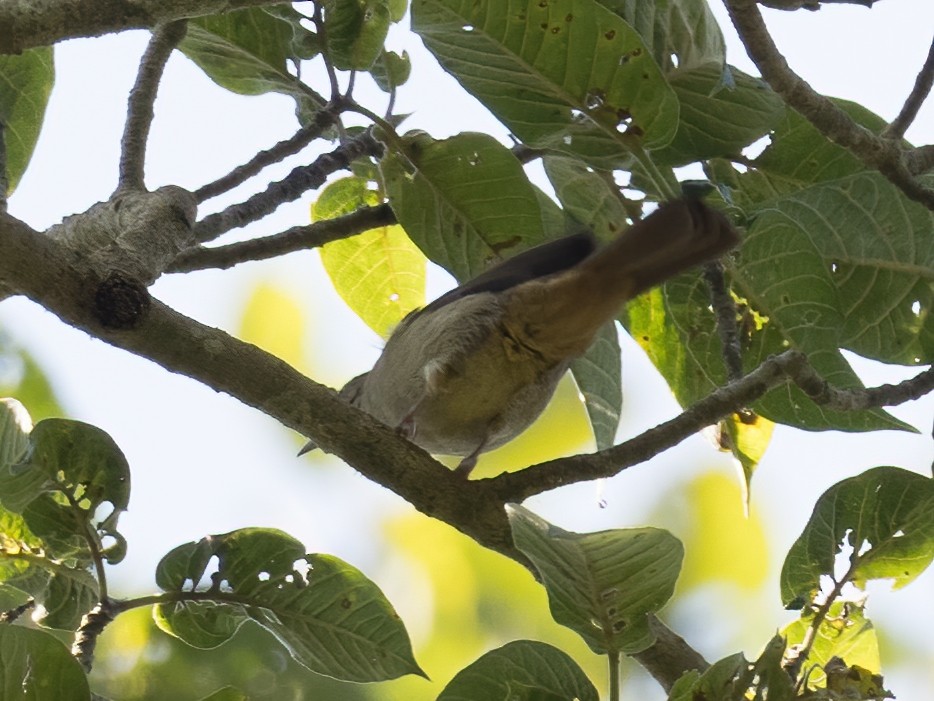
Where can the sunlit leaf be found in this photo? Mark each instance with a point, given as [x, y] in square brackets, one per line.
[884, 515]
[273, 320]
[721, 542]
[379, 273]
[845, 633]
[601, 585]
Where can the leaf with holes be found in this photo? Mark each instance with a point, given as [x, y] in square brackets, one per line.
[679, 33]
[568, 74]
[845, 264]
[884, 515]
[601, 585]
[379, 273]
[845, 633]
[465, 201]
[521, 671]
[331, 618]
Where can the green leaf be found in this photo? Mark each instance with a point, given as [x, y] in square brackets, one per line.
[391, 70]
[572, 76]
[588, 195]
[845, 633]
[379, 273]
[718, 118]
[520, 671]
[845, 264]
[246, 52]
[25, 84]
[465, 201]
[679, 33]
[599, 378]
[15, 426]
[797, 156]
[735, 679]
[884, 515]
[37, 667]
[71, 470]
[356, 30]
[329, 616]
[677, 329]
[601, 585]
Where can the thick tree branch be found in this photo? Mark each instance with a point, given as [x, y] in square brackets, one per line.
[139, 106]
[30, 23]
[884, 155]
[920, 91]
[293, 186]
[298, 238]
[920, 160]
[323, 119]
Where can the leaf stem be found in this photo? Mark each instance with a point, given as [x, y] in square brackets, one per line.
[613, 660]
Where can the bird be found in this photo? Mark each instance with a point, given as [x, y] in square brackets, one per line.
[474, 368]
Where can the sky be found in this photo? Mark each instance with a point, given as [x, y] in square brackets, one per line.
[203, 463]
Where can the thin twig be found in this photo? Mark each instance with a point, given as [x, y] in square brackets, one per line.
[725, 311]
[140, 104]
[323, 119]
[297, 238]
[14, 613]
[293, 186]
[920, 91]
[776, 370]
[4, 180]
[883, 155]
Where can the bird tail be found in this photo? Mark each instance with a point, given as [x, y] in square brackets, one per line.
[562, 313]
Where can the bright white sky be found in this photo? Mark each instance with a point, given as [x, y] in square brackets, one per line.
[202, 463]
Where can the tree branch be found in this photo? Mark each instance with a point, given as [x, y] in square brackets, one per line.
[725, 312]
[293, 186]
[920, 91]
[139, 106]
[776, 370]
[30, 23]
[323, 119]
[881, 154]
[297, 238]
